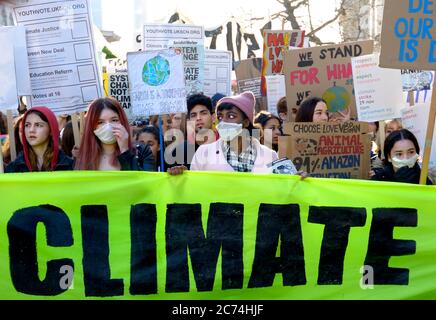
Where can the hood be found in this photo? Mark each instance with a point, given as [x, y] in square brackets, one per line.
[54, 133]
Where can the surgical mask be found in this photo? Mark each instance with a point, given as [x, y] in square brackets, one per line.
[105, 134]
[229, 131]
[399, 163]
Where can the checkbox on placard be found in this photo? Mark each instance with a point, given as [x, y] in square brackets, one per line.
[86, 72]
[79, 29]
[221, 73]
[221, 87]
[89, 93]
[82, 51]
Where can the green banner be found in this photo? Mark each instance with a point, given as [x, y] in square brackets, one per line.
[137, 235]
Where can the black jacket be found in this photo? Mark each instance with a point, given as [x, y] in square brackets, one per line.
[64, 163]
[140, 160]
[405, 174]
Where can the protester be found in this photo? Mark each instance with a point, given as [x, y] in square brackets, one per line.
[392, 125]
[40, 133]
[282, 109]
[401, 151]
[6, 149]
[312, 110]
[236, 150]
[3, 124]
[106, 142]
[149, 135]
[68, 144]
[200, 131]
[271, 128]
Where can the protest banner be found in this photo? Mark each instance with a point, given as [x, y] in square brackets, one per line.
[118, 86]
[219, 242]
[248, 76]
[324, 72]
[378, 91]
[157, 82]
[328, 150]
[407, 42]
[217, 72]
[275, 43]
[276, 90]
[415, 119]
[416, 80]
[189, 39]
[63, 67]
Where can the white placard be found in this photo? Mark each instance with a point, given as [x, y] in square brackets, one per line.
[276, 89]
[415, 119]
[157, 82]
[378, 91]
[8, 87]
[64, 71]
[162, 36]
[217, 72]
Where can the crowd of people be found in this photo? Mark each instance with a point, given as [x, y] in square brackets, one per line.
[219, 133]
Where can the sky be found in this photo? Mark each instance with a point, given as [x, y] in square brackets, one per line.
[119, 18]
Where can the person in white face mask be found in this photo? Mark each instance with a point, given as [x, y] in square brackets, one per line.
[106, 142]
[401, 150]
[236, 150]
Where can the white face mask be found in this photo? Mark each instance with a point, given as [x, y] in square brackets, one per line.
[399, 163]
[229, 131]
[105, 134]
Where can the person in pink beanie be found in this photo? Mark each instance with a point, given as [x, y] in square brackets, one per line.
[236, 150]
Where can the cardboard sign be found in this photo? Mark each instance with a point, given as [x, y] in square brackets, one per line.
[276, 90]
[378, 91]
[118, 87]
[328, 150]
[275, 43]
[217, 72]
[63, 67]
[248, 76]
[415, 119]
[408, 38]
[324, 72]
[157, 82]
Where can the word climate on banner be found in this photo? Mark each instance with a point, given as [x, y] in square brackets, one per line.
[63, 68]
[378, 91]
[409, 35]
[325, 72]
[275, 44]
[328, 150]
[157, 82]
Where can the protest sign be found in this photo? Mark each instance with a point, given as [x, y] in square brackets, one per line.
[276, 90]
[118, 86]
[378, 91]
[408, 35]
[324, 72]
[189, 39]
[248, 76]
[328, 150]
[217, 72]
[416, 80]
[8, 80]
[63, 68]
[275, 43]
[316, 239]
[415, 119]
[157, 82]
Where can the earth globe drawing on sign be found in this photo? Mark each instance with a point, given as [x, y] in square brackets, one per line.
[338, 99]
[156, 71]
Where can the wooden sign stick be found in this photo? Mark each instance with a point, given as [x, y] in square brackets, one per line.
[76, 131]
[411, 95]
[11, 132]
[428, 138]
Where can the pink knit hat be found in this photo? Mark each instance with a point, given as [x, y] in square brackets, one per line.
[245, 102]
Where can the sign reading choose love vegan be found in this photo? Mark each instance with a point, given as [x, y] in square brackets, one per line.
[312, 239]
[157, 82]
[409, 35]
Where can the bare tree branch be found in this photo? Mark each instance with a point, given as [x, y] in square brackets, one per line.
[341, 11]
